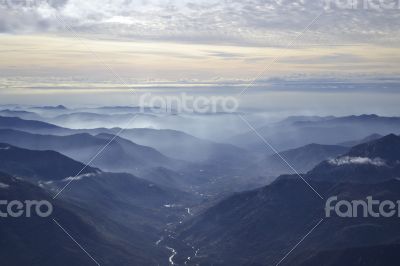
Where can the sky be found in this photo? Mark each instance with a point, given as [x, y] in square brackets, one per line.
[100, 48]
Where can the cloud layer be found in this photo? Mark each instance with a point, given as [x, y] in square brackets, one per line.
[245, 22]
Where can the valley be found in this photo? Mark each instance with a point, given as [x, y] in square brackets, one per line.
[165, 197]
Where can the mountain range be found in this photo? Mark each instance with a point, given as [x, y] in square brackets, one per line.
[258, 227]
[289, 134]
[121, 155]
[148, 196]
[119, 216]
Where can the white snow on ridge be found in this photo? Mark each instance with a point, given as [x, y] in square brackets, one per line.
[356, 160]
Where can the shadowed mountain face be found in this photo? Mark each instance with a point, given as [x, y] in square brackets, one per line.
[261, 226]
[119, 215]
[44, 165]
[30, 165]
[271, 220]
[371, 256]
[39, 241]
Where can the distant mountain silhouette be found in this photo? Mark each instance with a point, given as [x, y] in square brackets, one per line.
[58, 107]
[360, 141]
[94, 120]
[20, 114]
[302, 159]
[292, 119]
[180, 145]
[289, 135]
[30, 125]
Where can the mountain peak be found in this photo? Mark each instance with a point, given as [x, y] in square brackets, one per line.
[369, 162]
[391, 136]
[387, 147]
[58, 107]
[369, 116]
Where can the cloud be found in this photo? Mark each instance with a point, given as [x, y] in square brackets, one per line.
[226, 55]
[245, 22]
[4, 186]
[326, 59]
[357, 160]
[79, 177]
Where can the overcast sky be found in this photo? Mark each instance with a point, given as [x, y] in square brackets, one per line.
[48, 45]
